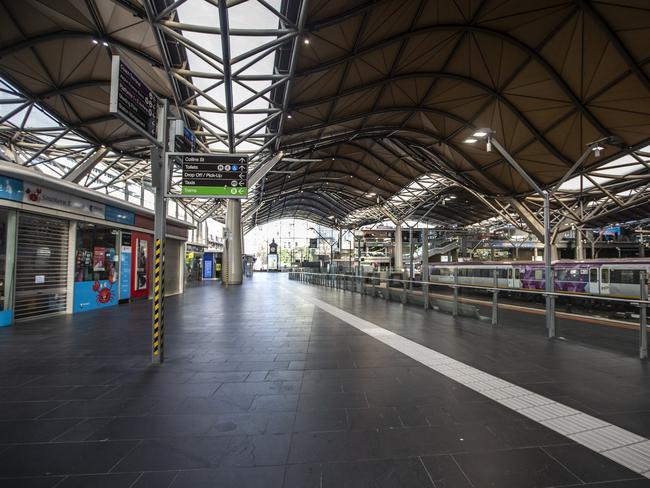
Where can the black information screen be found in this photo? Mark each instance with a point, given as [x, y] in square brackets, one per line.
[136, 101]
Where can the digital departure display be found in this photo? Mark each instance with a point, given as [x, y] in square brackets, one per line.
[133, 101]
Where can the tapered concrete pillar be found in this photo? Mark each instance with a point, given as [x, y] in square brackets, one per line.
[233, 246]
[399, 265]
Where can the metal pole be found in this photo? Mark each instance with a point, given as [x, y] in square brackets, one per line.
[495, 299]
[159, 175]
[411, 268]
[643, 329]
[548, 268]
[425, 268]
[455, 309]
[387, 292]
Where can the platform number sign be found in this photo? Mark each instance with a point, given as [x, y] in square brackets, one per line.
[215, 175]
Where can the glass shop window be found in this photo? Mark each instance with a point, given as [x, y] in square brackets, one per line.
[95, 257]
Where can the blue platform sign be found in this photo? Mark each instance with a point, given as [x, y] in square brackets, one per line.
[115, 214]
[11, 189]
[125, 273]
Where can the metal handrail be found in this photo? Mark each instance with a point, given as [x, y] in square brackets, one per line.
[486, 288]
[642, 302]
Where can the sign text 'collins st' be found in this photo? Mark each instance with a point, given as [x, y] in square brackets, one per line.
[215, 175]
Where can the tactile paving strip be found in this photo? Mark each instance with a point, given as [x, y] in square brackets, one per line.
[620, 445]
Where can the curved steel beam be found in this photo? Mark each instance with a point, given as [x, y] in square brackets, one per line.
[616, 42]
[444, 75]
[346, 181]
[398, 109]
[64, 34]
[69, 88]
[382, 132]
[531, 52]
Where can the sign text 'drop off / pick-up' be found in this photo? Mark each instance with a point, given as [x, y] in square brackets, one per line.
[216, 175]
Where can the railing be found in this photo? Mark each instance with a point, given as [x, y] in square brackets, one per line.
[360, 284]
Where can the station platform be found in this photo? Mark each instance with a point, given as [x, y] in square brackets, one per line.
[280, 384]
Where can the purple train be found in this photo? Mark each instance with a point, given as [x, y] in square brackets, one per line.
[613, 277]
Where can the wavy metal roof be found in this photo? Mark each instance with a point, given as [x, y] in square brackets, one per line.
[383, 93]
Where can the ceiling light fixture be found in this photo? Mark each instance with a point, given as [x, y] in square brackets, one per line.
[470, 140]
[104, 43]
[306, 40]
[288, 116]
[597, 149]
[95, 41]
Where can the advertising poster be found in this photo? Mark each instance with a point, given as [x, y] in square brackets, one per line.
[125, 273]
[90, 295]
[207, 266]
[99, 259]
[141, 269]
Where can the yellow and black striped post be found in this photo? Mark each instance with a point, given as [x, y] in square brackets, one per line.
[158, 332]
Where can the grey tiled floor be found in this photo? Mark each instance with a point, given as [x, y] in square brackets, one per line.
[261, 389]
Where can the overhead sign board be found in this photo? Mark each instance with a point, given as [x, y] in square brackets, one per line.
[215, 175]
[133, 101]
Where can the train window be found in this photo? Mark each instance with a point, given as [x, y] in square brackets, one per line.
[502, 273]
[593, 275]
[539, 274]
[509, 273]
[604, 275]
[516, 273]
[625, 276]
[567, 274]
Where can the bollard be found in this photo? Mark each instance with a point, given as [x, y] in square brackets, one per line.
[495, 299]
[643, 311]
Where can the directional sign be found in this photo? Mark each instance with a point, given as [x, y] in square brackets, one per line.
[133, 101]
[215, 175]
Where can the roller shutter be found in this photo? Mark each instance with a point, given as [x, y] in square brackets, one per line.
[41, 266]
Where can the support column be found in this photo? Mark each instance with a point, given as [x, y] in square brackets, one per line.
[580, 247]
[397, 249]
[159, 178]
[233, 253]
[548, 267]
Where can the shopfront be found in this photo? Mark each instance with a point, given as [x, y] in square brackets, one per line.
[96, 267]
[63, 253]
[194, 263]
